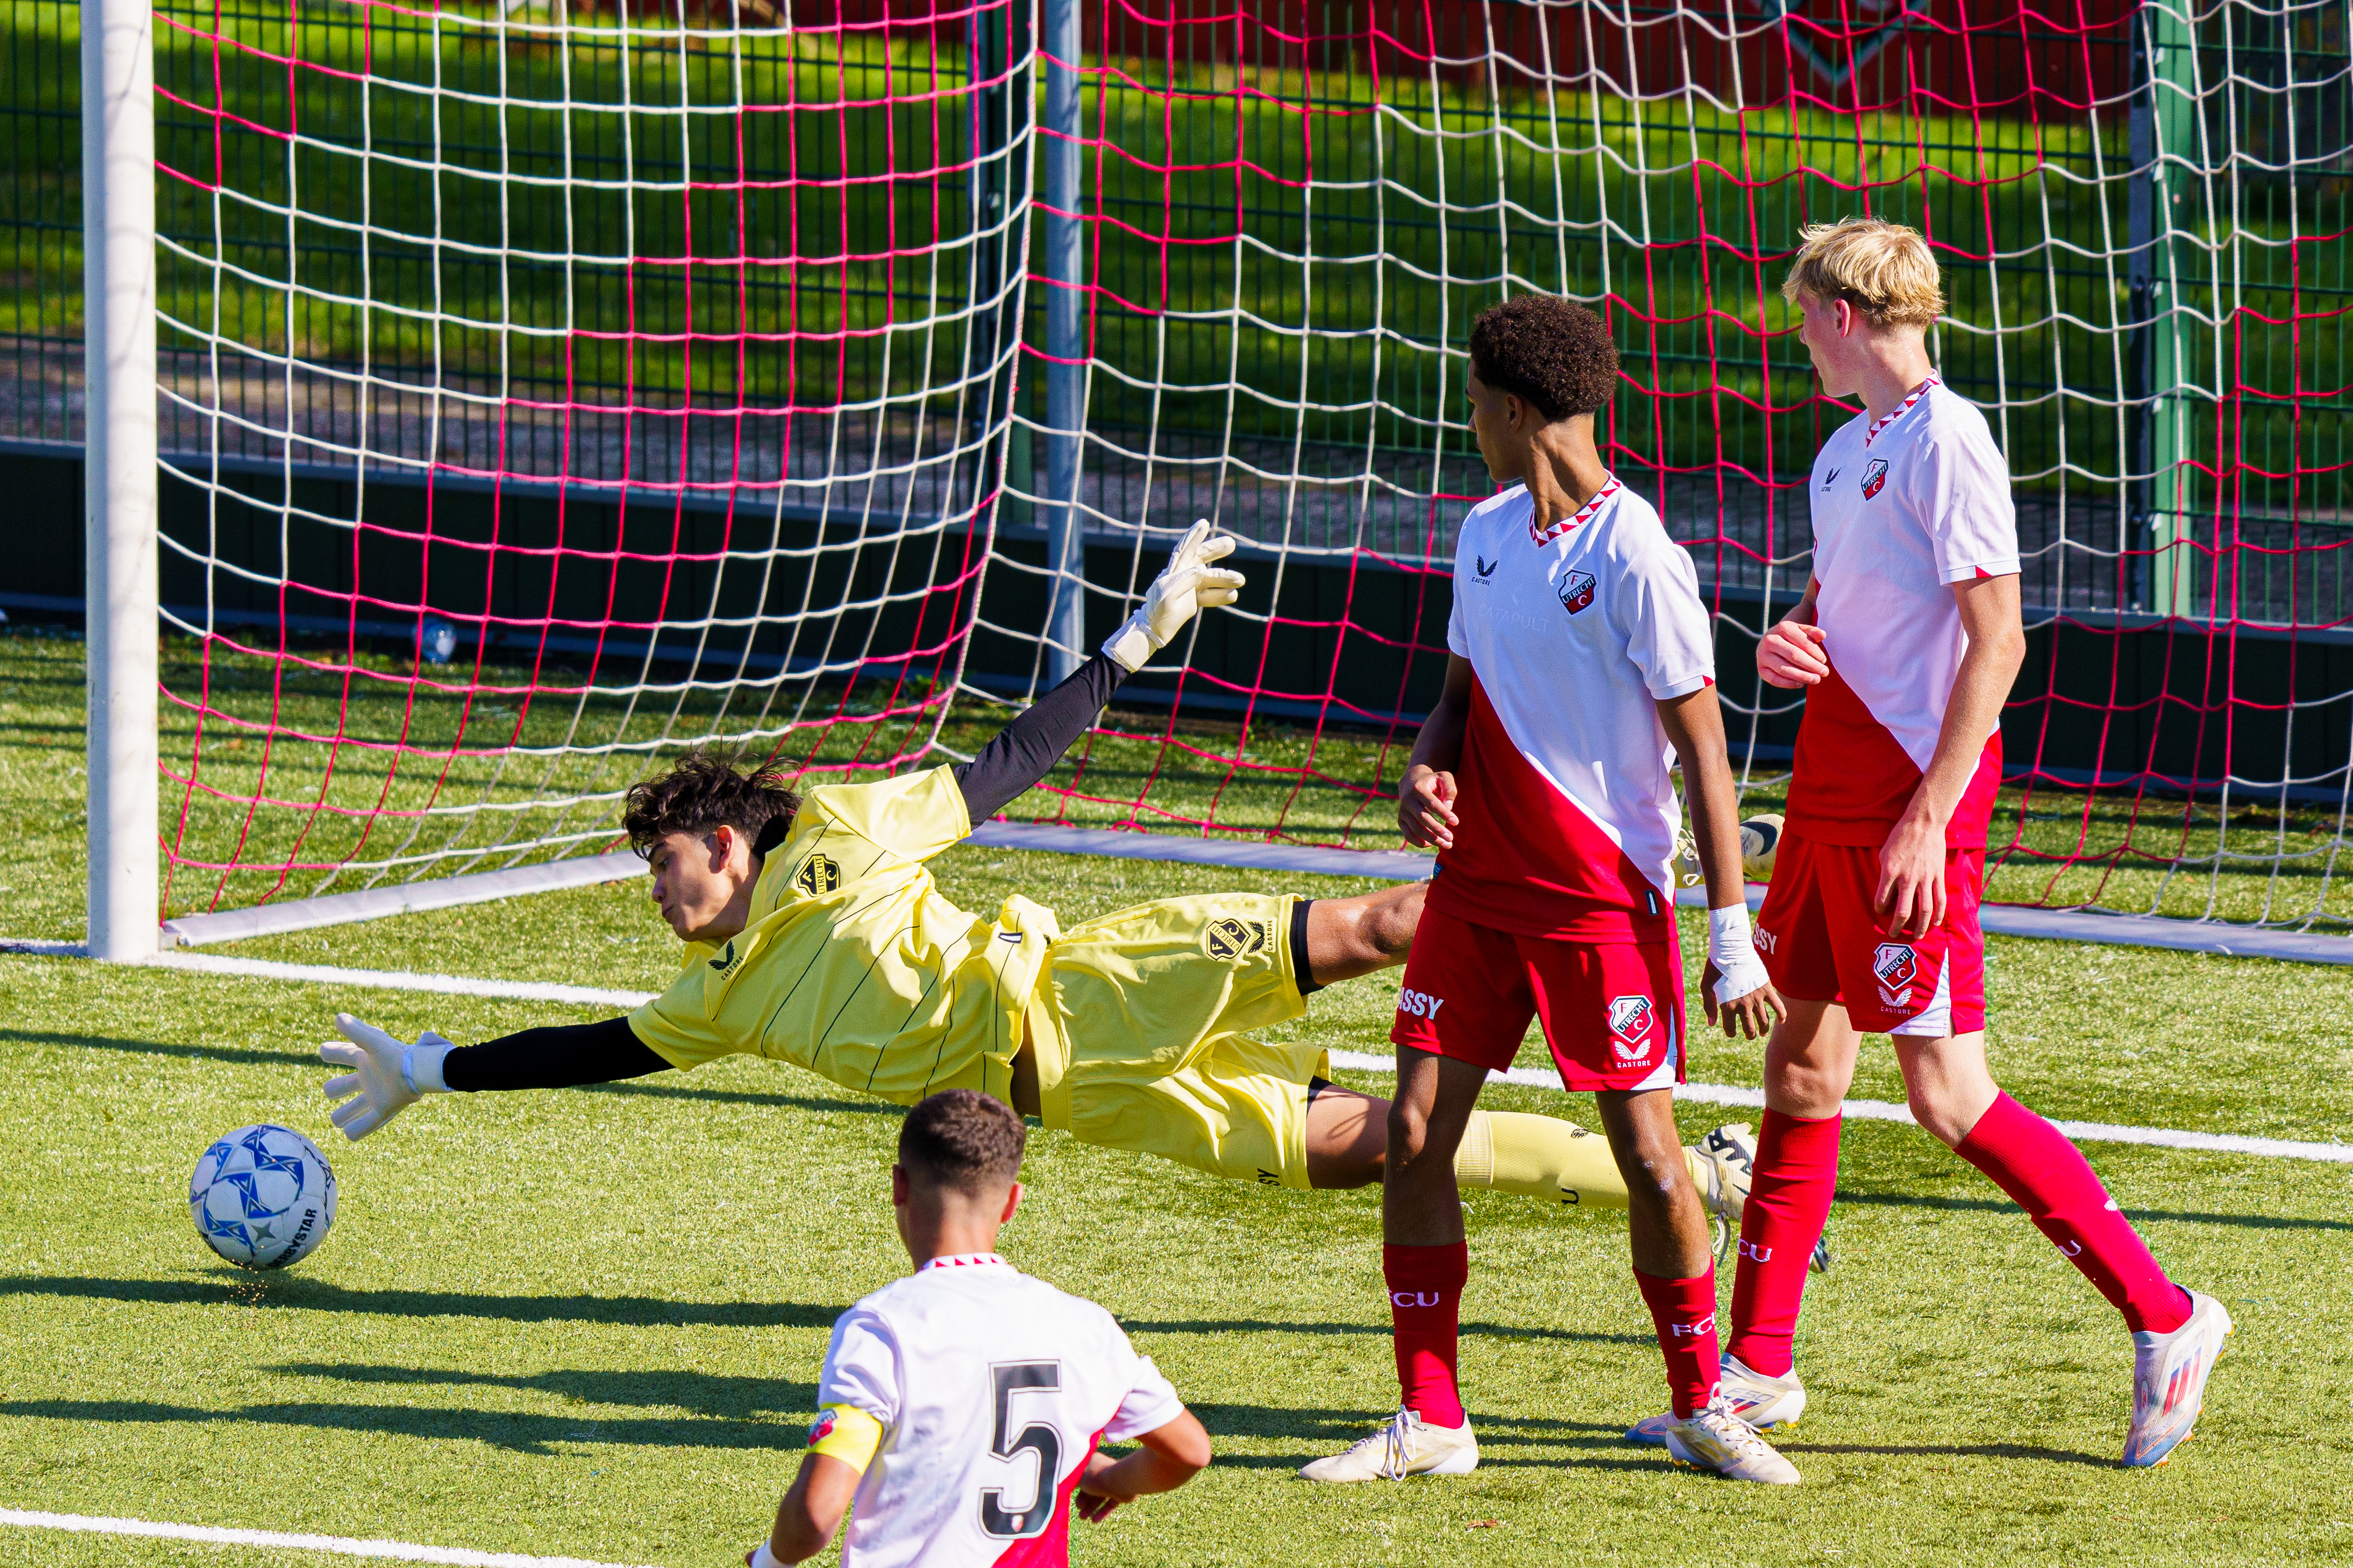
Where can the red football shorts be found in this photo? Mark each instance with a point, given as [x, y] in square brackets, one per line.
[1822, 941]
[1612, 1012]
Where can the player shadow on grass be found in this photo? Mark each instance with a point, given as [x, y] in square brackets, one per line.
[2004, 1205]
[1506, 1442]
[512, 1431]
[711, 1394]
[243, 1055]
[251, 1056]
[1953, 1451]
[736, 1420]
[1273, 1326]
[295, 1293]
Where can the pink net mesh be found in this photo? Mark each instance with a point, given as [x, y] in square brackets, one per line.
[548, 391]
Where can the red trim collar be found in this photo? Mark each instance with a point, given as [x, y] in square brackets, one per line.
[1585, 514]
[1900, 410]
[965, 1261]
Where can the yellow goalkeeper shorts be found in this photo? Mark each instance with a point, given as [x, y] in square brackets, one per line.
[1139, 1024]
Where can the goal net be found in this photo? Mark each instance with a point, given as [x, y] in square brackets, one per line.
[548, 388]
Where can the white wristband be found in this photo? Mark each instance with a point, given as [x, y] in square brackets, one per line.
[763, 1557]
[1131, 648]
[1728, 938]
[420, 1068]
[1733, 950]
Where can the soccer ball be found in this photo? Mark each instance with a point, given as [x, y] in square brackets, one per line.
[262, 1196]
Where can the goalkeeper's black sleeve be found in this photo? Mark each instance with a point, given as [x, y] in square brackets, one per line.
[1027, 750]
[564, 1056]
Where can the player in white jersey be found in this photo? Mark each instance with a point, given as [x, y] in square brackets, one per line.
[963, 1408]
[1906, 643]
[1582, 666]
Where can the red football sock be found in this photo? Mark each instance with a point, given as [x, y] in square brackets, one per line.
[2050, 1179]
[1425, 1305]
[1684, 1312]
[1789, 1203]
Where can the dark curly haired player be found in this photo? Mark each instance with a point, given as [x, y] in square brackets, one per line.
[1581, 670]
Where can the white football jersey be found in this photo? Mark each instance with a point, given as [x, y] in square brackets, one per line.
[992, 1389]
[1904, 508]
[1568, 813]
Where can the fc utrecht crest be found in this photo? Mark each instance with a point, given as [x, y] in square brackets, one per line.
[1630, 1020]
[1894, 964]
[1874, 478]
[1576, 591]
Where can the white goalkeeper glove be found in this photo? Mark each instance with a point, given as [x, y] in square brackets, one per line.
[1733, 950]
[1189, 583]
[388, 1075]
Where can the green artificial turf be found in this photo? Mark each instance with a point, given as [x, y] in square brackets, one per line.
[588, 1322]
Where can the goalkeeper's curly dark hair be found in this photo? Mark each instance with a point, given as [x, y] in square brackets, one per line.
[1554, 353]
[706, 789]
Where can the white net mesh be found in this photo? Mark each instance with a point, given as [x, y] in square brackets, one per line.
[552, 393]
[701, 376]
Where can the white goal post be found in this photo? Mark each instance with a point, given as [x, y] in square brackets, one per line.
[118, 74]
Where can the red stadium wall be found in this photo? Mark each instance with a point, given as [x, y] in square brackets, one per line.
[2000, 58]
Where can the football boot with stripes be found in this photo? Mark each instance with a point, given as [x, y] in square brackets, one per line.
[1713, 1439]
[1408, 1446]
[1763, 1402]
[2169, 1381]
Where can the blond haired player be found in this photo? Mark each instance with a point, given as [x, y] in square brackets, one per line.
[816, 935]
[962, 1407]
[1906, 645]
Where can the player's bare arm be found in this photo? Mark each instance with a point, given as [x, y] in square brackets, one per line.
[1912, 864]
[1425, 797]
[1732, 986]
[812, 1510]
[1167, 1457]
[1791, 656]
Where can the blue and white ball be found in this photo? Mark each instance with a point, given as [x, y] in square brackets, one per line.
[262, 1196]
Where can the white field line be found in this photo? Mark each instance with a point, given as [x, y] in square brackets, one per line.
[1357, 1061]
[1881, 1111]
[340, 1545]
[400, 980]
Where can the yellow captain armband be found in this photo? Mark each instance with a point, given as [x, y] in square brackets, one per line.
[846, 1433]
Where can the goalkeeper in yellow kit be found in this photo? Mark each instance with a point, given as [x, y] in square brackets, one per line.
[816, 934]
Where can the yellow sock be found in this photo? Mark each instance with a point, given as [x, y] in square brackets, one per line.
[1538, 1157]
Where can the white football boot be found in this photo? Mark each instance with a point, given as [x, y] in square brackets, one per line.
[1723, 1164]
[1762, 1402]
[1759, 837]
[2169, 1381]
[1716, 1439]
[1408, 1446]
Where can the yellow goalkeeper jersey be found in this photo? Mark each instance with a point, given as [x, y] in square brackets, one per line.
[853, 965]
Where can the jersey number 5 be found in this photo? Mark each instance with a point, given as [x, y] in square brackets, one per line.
[1032, 1517]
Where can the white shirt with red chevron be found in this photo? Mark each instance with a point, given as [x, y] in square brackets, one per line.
[992, 1390]
[1904, 508]
[1568, 813]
